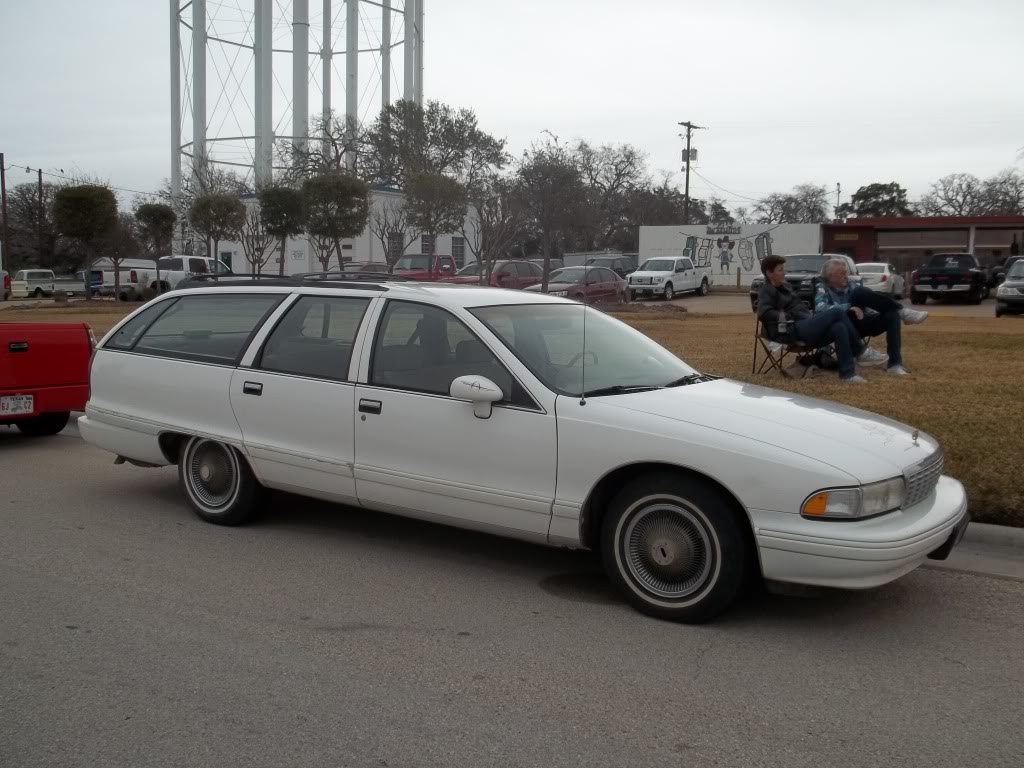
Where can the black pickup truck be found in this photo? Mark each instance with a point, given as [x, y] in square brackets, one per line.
[949, 275]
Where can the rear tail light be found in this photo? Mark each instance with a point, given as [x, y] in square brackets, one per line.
[133, 276]
[92, 357]
[883, 278]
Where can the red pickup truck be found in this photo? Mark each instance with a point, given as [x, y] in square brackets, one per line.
[44, 374]
[417, 267]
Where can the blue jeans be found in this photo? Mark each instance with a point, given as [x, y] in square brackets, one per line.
[833, 326]
[887, 321]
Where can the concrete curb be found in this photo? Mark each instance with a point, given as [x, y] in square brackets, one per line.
[995, 535]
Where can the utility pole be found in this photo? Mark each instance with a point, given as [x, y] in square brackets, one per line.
[690, 128]
[839, 191]
[3, 193]
[42, 212]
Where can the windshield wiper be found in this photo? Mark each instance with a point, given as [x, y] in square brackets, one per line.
[619, 389]
[693, 378]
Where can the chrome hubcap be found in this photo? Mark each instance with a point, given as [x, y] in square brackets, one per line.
[668, 550]
[213, 474]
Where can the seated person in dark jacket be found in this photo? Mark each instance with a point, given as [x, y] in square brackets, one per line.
[872, 314]
[787, 318]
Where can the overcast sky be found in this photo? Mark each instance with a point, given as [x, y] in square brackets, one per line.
[791, 90]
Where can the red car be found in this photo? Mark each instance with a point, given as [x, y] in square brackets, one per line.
[590, 285]
[44, 374]
[417, 267]
[504, 274]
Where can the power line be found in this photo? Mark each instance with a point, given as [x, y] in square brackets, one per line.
[72, 178]
[723, 189]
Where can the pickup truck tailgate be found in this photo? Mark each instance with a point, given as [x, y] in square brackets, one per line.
[37, 355]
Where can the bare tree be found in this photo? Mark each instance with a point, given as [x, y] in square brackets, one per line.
[500, 212]
[1003, 194]
[958, 194]
[806, 204]
[611, 173]
[332, 143]
[323, 249]
[257, 243]
[211, 181]
[394, 219]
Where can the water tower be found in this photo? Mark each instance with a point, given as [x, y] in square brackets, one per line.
[242, 72]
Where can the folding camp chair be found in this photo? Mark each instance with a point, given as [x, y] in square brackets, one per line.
[775, 353]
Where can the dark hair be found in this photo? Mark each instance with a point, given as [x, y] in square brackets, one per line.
[771, 263]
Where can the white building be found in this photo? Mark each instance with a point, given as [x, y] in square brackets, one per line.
[301, 256]
[734, 252]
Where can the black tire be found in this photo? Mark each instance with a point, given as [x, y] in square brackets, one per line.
[217, 482]
[976, 298]
[703, 290]
[44, 425]
[918, 298]
[999, 312]
[633, 296]
[38, 293]
[704, 558]
[670, 292]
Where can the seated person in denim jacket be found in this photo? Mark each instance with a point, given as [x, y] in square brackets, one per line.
[872, 314]
[786, 318]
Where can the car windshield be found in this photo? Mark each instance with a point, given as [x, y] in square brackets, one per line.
[548, 339]
[809, 263]
[951, 261]
[872, 267]
[1016, 271]
[658, 265]
[568, 276]
[413, 262]
[470, 269]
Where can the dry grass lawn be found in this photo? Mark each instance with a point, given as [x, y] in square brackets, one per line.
[966, 389]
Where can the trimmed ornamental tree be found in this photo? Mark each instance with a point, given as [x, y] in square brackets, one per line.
[283, 213]
[438, 203]
[156, 225]
[337, 207]
[86, 213]
[218, 216]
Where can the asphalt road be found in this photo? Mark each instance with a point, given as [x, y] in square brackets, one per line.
[133, 634]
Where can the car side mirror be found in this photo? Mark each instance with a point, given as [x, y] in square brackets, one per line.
[478, 390]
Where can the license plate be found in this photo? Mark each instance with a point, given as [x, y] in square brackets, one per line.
[943, 287]
[13, 405]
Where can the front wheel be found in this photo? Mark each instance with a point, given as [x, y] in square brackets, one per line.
[44, 425]
[217, 482]
[674, 547]
[703, 290]
[670, 292]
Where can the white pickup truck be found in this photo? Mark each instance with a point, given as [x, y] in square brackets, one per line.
[173, 269]
[668, 276]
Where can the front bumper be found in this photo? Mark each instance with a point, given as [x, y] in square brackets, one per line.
[648, 290]
[1013, 304]
[865, 553]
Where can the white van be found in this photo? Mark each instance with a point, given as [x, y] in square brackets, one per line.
[667, 276]
[32, 282]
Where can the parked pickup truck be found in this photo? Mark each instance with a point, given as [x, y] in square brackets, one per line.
[44, 374]
[949, 275]
[416, 267]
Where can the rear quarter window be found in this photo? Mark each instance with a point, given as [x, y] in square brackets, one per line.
[209, 329]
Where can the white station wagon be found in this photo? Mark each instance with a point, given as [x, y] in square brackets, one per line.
[483, 408]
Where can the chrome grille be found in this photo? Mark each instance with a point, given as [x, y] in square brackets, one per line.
[642, 280]
[922, 478]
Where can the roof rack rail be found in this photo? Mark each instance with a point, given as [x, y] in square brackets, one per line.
[380, 277]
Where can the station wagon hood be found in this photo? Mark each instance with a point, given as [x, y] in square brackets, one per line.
[863, 444]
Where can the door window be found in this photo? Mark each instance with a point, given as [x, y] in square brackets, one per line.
[421, 348]
[208, 329]
[130, 332]
[315, 337]
[198, 266]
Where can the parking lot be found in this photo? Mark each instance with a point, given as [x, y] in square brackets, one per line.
[134, 634]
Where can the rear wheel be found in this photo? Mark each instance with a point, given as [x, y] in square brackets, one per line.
[675, 548]
[44, 425]
[38, 293]
[670, 292]
[217, 482]
[703, 290]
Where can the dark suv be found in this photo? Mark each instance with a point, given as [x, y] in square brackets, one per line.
[620, 265]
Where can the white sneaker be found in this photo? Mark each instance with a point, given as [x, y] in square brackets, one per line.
[913, 316]
[855, 379]
[897, 370]
[872, 358]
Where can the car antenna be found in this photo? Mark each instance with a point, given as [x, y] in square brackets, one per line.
[583, 372]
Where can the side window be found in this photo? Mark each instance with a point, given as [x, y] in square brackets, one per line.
[315, 337]
[130, 332]
[171, 265]
[686, 264]
[424, 349]
[198, 266]
[208, 329]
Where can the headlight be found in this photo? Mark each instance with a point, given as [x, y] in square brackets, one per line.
[853, 503]
[659, 280]
[1005, 290]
